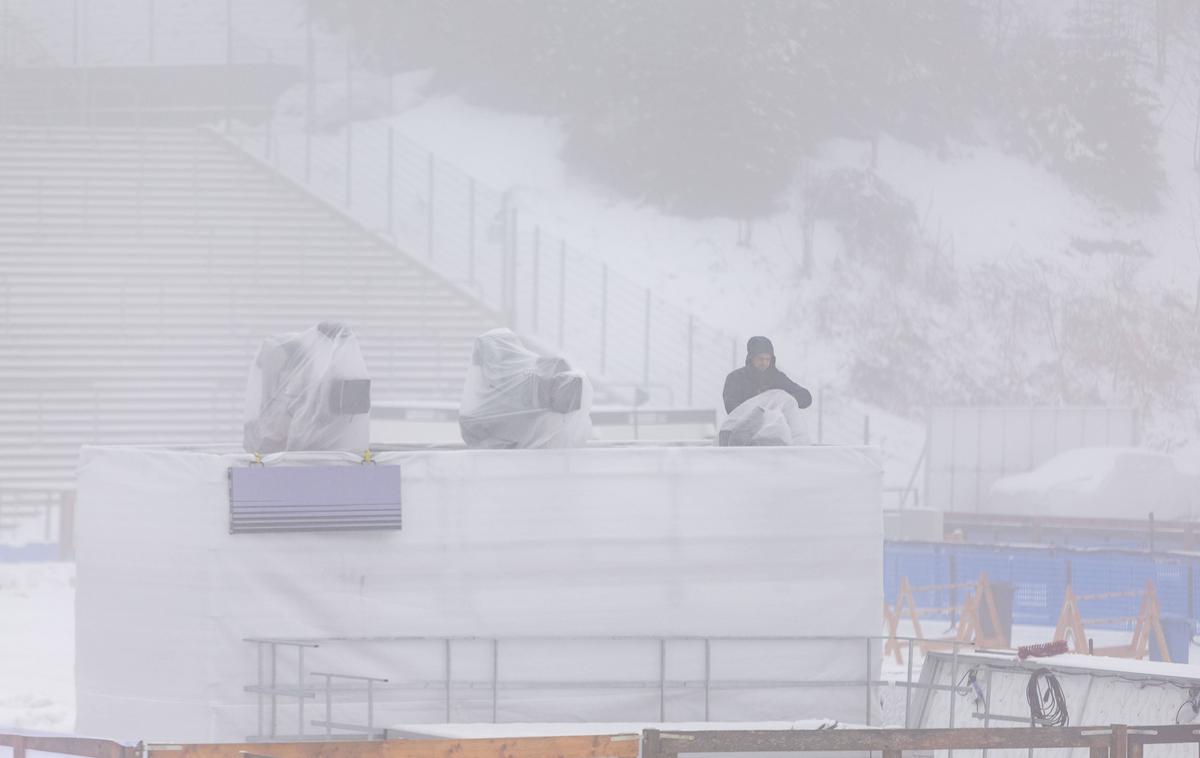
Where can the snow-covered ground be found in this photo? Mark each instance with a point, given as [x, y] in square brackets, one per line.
[37, 646]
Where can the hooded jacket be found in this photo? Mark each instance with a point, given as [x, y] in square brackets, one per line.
[747, 381]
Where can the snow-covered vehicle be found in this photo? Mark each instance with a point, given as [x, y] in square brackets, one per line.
[1099, 482]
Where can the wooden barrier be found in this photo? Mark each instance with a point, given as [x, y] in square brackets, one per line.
[83, 746]
[594, 746]
[979, 603]
[1071, 624]
[1116, 741]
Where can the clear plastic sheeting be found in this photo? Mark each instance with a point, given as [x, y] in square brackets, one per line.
[515, 398]
[309, 391]
[769, 418]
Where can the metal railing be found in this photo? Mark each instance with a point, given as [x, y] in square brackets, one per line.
[283, 679]
[481, 239]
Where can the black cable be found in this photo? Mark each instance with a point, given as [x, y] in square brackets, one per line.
[1193, 702]
[1047, 704]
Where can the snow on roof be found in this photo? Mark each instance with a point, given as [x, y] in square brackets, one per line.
[485, 731]
[1098, 664]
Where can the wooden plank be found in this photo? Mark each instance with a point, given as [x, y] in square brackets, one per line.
[83, 746]
[1166, 734]
[880, 739]
[625, 746]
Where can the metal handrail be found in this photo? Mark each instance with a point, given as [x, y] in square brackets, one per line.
[304, 689]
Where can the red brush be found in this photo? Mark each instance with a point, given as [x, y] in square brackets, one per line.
[1042, 649]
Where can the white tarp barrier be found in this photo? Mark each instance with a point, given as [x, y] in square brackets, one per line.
[645, 542]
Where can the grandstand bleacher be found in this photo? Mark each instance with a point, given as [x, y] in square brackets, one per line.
[140, 268]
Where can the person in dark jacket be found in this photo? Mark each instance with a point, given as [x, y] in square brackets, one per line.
[759, 375]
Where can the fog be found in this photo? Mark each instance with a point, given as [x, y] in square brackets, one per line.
[968, 230]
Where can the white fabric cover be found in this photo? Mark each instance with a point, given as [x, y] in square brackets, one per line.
[515, 398]
[769, 418]
[297, 398]
[782, 541]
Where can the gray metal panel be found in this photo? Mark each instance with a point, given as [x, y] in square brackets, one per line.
[313, 498]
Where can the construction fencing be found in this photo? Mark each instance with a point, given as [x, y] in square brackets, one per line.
[1040, 576]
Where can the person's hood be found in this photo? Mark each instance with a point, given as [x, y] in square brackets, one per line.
[756, 345]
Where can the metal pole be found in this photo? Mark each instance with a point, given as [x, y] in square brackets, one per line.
[228, 65]
[495, 676]
[987, 705]
[75, 21]
[908, 684]
[707, 674]
[953, 689]
[310, 85]
[691, 352]
[391, 181]
[300, 685]
[537, 253]
[328, 705]
[260, 688]
[430, 221]
[274, 699]
[447, 680]
[471, 233]
[604, 319]
[867, 679]
[562, 291]
[510, 274]
[349, 128]
[4, 33]
[150, 28]
[662, 680]
[370, 706]
[646, 345]
[820, 415]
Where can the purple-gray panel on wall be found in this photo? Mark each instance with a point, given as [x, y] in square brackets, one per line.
[313, 498]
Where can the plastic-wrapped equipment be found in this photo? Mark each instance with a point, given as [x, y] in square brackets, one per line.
[515, 398]
[309, 391]
[768, 418]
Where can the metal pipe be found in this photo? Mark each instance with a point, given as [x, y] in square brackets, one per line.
[604, 319]
[391, 181]
[662, 680]
[691, 352]
[908, 685]
[300, 686]
[868, 679]
[150, 29]
[431, 208]
[447, 680]
[537, 253]
[471, 233]
[646, 345]
[707, 676]
[328, 705]
[274, 698]
[562, 291]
